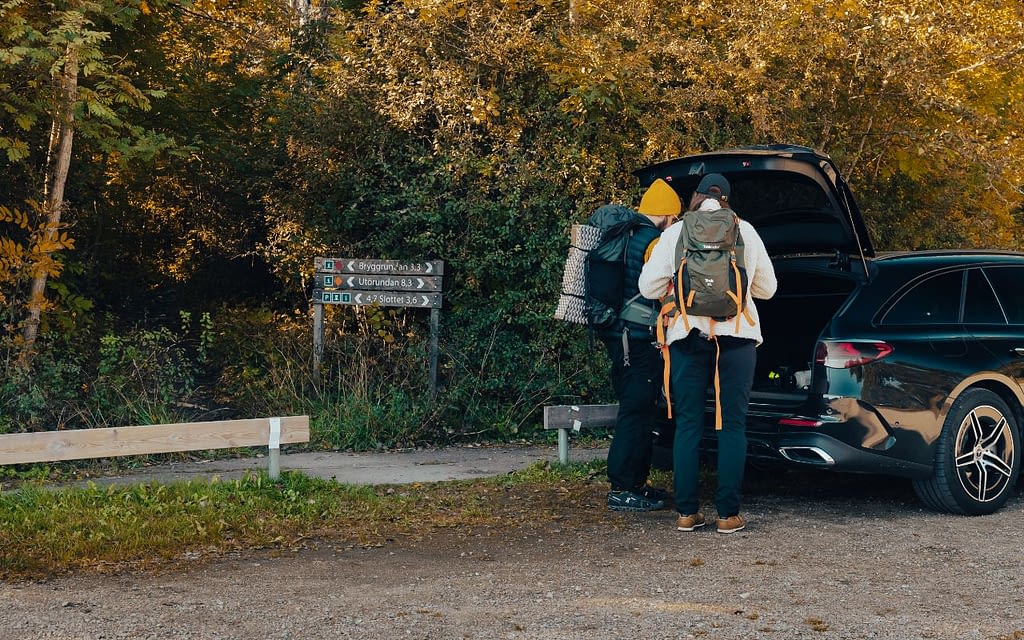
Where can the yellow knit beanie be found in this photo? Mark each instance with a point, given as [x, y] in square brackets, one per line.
[660, 200]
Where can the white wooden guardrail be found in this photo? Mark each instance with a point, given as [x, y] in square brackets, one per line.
[54, 446]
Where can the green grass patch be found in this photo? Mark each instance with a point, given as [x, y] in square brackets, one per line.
[45, 531]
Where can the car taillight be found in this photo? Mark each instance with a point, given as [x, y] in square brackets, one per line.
[839, 354]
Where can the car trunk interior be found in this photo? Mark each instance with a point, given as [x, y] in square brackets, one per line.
[810, 292]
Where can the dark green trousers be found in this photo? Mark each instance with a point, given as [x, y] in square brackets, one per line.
[636, 387]
[693, 363]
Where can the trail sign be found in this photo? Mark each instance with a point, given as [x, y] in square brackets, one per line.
[388, 283]
[377, 283]
[381, 267]
[382, 298]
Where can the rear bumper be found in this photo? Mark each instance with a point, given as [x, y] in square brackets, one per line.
[842, 433]
[825, 452]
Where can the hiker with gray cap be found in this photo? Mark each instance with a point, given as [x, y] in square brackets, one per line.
[715, 350]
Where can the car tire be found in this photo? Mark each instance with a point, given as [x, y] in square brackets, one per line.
[977, 457]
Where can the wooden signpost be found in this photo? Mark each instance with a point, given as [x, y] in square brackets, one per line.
[387, 283]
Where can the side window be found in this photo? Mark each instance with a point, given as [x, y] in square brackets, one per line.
[934, 301]
[1009, 286]
[980, 304]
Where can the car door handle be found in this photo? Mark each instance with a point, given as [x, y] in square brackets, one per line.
[1019, 351]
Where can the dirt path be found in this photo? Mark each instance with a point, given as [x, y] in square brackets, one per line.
[823, 557]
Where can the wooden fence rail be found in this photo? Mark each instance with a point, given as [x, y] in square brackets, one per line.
[54, 446]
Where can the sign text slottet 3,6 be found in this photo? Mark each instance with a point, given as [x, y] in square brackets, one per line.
[382, 298]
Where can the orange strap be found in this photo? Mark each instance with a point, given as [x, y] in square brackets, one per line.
[718, 389]
[665, 318]
[666, 379]
[683, 303]
[738, 297]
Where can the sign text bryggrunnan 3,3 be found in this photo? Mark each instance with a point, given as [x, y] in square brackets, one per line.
[377, 267]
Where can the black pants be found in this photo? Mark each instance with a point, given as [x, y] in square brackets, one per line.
[636, 387]
[692, 373]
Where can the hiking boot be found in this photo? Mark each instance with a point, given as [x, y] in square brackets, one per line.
[691, 522]
[629, 501]
[732, 524]
[652, 493]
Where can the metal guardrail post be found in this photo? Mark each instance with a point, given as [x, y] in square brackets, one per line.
[563, 446]
[274, 446]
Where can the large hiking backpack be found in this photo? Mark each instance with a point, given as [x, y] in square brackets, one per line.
[711, 278]
[594, 277]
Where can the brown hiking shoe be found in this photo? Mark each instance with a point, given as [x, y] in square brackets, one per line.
[690, 523]
[732, 524]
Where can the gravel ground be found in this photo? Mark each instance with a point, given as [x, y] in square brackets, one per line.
[823, 557]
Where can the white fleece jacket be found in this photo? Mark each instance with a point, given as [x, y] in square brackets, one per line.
[761, 283]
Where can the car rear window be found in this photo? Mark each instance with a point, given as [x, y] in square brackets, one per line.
[1007, 282]
[761, 197]
[980, 304]
[933, 301]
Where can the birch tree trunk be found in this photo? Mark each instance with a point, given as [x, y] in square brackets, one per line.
[306, 11]
[575, 7]
[62, 133]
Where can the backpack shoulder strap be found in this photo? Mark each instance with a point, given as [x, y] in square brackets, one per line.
[682, 241]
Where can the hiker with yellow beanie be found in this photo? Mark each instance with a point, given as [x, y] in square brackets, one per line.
[636, 367]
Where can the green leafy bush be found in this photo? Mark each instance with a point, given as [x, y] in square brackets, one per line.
[44, 396]
[147, 375]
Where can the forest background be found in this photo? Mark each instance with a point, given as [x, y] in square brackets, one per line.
[169, 170]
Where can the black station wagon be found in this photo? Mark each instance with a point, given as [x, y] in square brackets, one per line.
[908, 364]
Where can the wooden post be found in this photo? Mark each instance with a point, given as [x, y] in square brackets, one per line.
[435, 315]
[318, 339]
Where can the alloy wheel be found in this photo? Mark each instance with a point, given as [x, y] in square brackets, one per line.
[984, 453]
